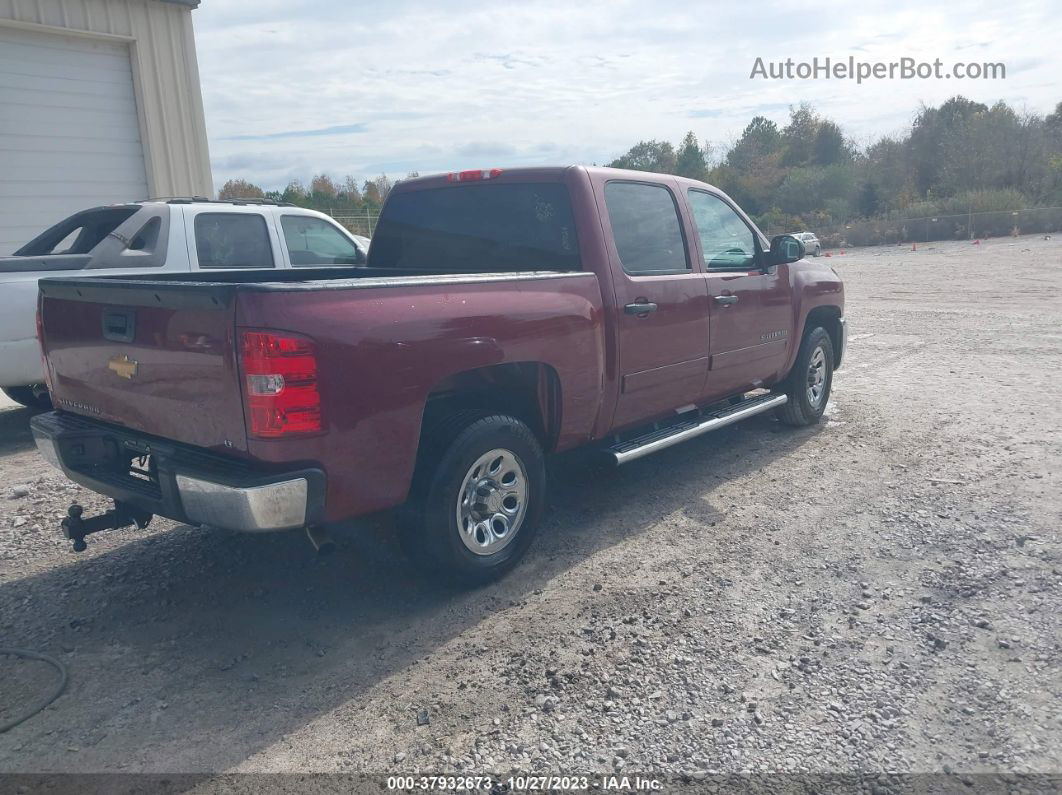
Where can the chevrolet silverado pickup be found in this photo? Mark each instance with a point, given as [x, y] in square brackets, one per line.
[160, 236]
[502, 315]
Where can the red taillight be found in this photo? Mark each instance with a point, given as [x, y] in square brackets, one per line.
[473, 176]
[280, 384]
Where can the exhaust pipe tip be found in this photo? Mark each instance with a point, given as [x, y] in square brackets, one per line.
[321, 540]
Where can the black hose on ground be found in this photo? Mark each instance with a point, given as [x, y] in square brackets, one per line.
[26, 654]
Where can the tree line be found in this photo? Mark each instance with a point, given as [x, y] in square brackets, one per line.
[323, 193]
[960, 157]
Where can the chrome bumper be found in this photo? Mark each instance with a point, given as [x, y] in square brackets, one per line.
[277, 506]
[190, 485]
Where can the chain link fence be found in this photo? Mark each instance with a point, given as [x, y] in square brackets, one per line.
[969, 226]
[360, 222]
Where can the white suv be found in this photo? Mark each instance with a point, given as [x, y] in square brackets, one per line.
[811, 243]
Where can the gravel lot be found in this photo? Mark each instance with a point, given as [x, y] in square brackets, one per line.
[881, 592]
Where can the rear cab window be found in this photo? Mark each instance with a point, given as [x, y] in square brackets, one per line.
[478, 228]
[233, 240]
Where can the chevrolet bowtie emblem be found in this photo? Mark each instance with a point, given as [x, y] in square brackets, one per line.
[123, 366]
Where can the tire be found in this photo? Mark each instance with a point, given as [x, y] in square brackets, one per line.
[32, 397]
[504, 457]
[814, 361]
[818, 250]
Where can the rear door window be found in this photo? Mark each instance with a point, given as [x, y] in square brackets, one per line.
[646, 228]
[478, 229]
[311, 241]
[232, 240]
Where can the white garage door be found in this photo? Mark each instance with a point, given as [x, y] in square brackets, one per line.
[69, 136]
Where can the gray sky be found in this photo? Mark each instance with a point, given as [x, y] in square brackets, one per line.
[294, 88]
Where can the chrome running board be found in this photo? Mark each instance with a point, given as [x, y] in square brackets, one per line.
[650, 442]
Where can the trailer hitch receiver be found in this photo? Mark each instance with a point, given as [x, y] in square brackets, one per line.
[121, 515]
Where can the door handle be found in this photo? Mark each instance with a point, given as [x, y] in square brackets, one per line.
[725, 300]
[639, 309]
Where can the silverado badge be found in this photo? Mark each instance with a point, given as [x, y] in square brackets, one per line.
[123, 366]
[770, 336]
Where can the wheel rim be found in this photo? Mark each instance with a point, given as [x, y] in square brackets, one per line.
[817, 377]
[492, 502]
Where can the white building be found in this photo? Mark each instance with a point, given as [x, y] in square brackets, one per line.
[99, 103]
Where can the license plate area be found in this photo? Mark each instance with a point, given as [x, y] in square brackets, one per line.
[142, 468]
[125, 463]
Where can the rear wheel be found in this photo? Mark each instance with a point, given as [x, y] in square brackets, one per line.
[476, 499]
[34, 396]
[808, 384]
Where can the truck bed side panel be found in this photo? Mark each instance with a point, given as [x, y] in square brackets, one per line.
[382, 350]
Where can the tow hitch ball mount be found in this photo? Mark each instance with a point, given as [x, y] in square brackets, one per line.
[121, 515]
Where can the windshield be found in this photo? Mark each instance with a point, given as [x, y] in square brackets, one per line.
[478, 229]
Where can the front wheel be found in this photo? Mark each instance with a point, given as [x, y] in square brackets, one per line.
[808, 384]
[476, 499]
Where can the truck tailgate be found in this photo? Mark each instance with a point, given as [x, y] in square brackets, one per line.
[157, 358]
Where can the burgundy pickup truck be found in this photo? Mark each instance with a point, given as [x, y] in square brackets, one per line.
[501, 316]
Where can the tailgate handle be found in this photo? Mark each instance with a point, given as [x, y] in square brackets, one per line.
[119, 325]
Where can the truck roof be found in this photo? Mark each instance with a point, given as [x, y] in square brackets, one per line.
[201, 200]
[205, 200]
[536, 173]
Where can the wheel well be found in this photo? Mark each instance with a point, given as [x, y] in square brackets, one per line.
[529, 391]
[829, 317]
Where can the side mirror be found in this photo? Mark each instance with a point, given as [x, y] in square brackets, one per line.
[784, 248]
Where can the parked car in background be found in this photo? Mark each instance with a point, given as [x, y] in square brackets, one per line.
[503, 315]
[175, 235]
[810, 241]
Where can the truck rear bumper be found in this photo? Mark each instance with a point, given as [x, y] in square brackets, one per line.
[182, 483]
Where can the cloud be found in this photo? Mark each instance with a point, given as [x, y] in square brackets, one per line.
[440, 87]
[482, 149]
[340, 129]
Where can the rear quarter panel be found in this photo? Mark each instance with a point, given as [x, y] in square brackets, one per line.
[381, 351]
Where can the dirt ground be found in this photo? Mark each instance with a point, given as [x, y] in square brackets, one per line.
[880, 592]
